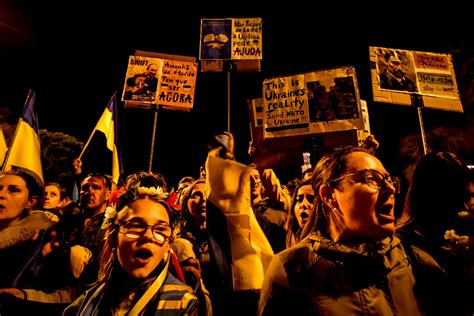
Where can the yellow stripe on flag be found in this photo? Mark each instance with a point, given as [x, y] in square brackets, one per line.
[3, 147]
[106, 126]
[25, 151]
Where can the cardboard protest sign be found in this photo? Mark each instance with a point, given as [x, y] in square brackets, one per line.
[177, 84]
[285, 151]
[399, 74]
[238, 41]
[141, 80]
[312, 103]
[166, 80]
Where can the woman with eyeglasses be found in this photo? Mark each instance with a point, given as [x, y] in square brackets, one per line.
[134, 276]
[350, 262]
[300, 211]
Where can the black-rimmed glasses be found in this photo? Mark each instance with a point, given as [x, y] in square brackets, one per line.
[134, 230]
[373, 178]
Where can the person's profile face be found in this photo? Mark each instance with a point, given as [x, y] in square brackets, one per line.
[197, 204]
[255, 184]
[368, 213]
[13, 199]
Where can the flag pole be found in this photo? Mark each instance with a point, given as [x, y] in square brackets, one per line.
[156, 108]
[251, 133]
[229, 71]
[87, 144]
[4, 163]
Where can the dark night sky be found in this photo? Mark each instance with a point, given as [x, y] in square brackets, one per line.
[74, 55]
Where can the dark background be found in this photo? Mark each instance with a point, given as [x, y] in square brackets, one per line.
[74, 54]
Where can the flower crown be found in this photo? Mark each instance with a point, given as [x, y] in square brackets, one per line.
[121, 195]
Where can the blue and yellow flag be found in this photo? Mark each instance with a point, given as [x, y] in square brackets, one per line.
[25, 151]
[237, 241]
[3, 147]
[108, 124]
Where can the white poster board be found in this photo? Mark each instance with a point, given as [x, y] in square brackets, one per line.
[399, 74]
[312, 103]
[166, 80]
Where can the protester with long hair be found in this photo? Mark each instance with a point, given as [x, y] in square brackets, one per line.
[433, 220]
[350, 262]
[135, 276]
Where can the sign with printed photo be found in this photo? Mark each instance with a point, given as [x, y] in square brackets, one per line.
[399, 74]
[231, 40]
[141, 80]
[284, 151]
[216, 39]
[161, 79]
[312, 103]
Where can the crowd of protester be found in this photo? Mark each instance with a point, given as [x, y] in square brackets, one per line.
[234, 240]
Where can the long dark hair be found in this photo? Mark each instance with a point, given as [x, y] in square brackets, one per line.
[186, 219]
[293, 228]
[331, 166]
[438, 191]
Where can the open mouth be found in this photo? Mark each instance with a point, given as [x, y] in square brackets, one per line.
[304, 215]
[385, 210]
[384, 214]
[143, 255]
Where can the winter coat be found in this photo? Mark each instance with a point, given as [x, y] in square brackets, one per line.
[321, 277]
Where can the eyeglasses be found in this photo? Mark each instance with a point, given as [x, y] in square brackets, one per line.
[134, 230]
[309, 198]
[373, 178]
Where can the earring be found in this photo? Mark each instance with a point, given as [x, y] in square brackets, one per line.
[338, 211]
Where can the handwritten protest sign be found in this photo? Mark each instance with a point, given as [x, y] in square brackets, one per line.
[246, 39]
[312, 103]
[285, 104]
[177, 84]
[167, 80]
[236, 41]
[397, 74]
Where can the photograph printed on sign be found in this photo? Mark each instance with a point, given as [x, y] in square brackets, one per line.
[396, 71]
[141, 80]
[337, 101]
[215, 39]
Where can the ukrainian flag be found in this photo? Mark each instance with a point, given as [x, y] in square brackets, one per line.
[3, 147]
[108, 124]
[25, 151]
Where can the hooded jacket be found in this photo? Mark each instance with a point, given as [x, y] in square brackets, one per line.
[321, 277]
